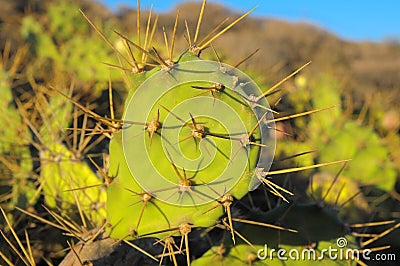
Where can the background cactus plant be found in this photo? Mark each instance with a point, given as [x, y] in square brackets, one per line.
[335, 136]
[56, 52]
[15, 161]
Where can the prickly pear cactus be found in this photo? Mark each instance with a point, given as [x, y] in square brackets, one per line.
[65, 177]
[14, 132]
[192, 143]
[195, 138]
[57, 52]
[186, 158]
[366, 148]
[339, 138]
[16, 163]
[15, 156]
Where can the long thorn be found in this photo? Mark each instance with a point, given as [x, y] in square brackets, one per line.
[138, 22]
[16, 237]
[246, 58]
[213, 31]
[226, 28]
[146, 37]
[160, 58]
[264, 225]
[176, 116]
[78, 205]
[161, 62]
[104, 37]
[141, 250]
[43, 220]
[144, 57]
[4, 256]
[166, 40]
[181, 178]
[110, 98]
[296, 169]
[75, 253]
[199, 21]
[366, 243]
[283, 81]
[334, 181]
[188, 33]
[171, 51]
[14, 248]
[256, 125]
[298, 115]
[360, 225]
[28, 245]
[350, 199]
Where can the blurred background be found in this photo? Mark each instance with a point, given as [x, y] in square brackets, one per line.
[370, 21]
[359, 44]
[354, 48]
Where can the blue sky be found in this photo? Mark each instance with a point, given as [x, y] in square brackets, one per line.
[352, 19]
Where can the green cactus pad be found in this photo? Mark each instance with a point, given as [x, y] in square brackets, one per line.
[65, 180]
[212, 164]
